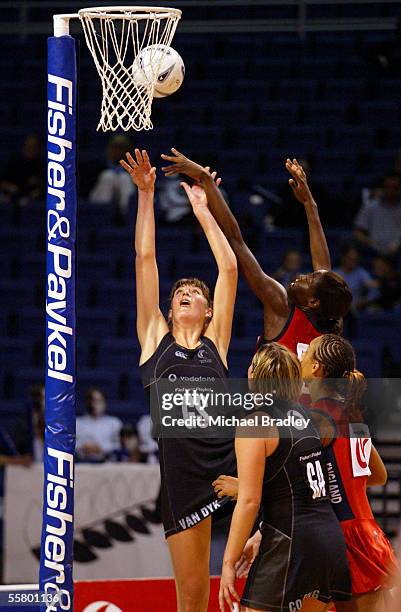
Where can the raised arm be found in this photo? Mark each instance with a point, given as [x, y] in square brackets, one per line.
[317, 240]
[151, 325]
[270, 292]
[219, 329]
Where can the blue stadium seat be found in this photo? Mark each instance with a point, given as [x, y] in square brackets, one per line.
[103, 379]
[25, 378]
[119, 354]
[11, 238]
[14, 353]
[15, 293]
[95, 322]
[369, 357]
[343, 88]
[385, 326]
[117, 294]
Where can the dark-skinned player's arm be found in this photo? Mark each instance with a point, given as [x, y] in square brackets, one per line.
[317, 240]
[151, 324]
[269, 291]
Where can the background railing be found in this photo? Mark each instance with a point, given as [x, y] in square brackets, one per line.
[24, 17]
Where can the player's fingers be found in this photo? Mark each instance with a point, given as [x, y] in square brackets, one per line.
[153, 171]
[292, 170]
[138, 156]
[221, 600]
[170, 170]
[131, 159]
[145, 156]
[169, 158]
[228, 598]
[126, 166]
[233, 591]
[175, 167]
[186, 188]
[241, 569]
[177, 152]
[292, 184]
[218, 182]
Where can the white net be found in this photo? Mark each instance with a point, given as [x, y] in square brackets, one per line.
[115, 36]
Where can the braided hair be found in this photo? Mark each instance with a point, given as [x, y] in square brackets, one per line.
[337, 357]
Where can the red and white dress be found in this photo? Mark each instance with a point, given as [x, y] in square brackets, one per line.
[371, 558]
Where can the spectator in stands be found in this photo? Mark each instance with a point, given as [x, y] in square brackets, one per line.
[129, 449]
[23, 176]
[290, 267]
[147, 444]
[173, 201]
[389, 284]
[38, 421]
[30, 430]
[113, 186]
[98, 434]
[9, 454]
[288, 214]
[361, 283]
[378, 223]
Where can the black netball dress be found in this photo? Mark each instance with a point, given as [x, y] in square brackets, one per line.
[188, 465]
[302, 552]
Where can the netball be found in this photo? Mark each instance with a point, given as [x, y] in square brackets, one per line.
[162, 65]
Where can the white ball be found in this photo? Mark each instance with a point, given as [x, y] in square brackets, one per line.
[162, 66]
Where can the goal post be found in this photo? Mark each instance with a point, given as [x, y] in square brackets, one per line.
[114, 36]
[56, 560]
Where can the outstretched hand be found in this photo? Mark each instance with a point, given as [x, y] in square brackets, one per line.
[182, 165]
[227, 591]
[142, 174]
[196, 194]
[298, 183]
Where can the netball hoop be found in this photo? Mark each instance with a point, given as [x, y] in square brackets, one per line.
[115, 36]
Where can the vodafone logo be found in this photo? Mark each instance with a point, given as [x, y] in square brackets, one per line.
[102, 606]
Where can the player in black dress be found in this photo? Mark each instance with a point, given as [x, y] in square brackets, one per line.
[192, 343]
[301, 563]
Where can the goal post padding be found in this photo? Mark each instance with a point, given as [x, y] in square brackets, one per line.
[56, 559]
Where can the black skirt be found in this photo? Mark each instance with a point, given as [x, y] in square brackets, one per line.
[311, 563]
[188, 467]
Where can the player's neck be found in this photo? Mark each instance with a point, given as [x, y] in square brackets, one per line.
[187, 337]
[320, 390]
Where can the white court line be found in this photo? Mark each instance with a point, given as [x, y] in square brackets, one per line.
[18, 587]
